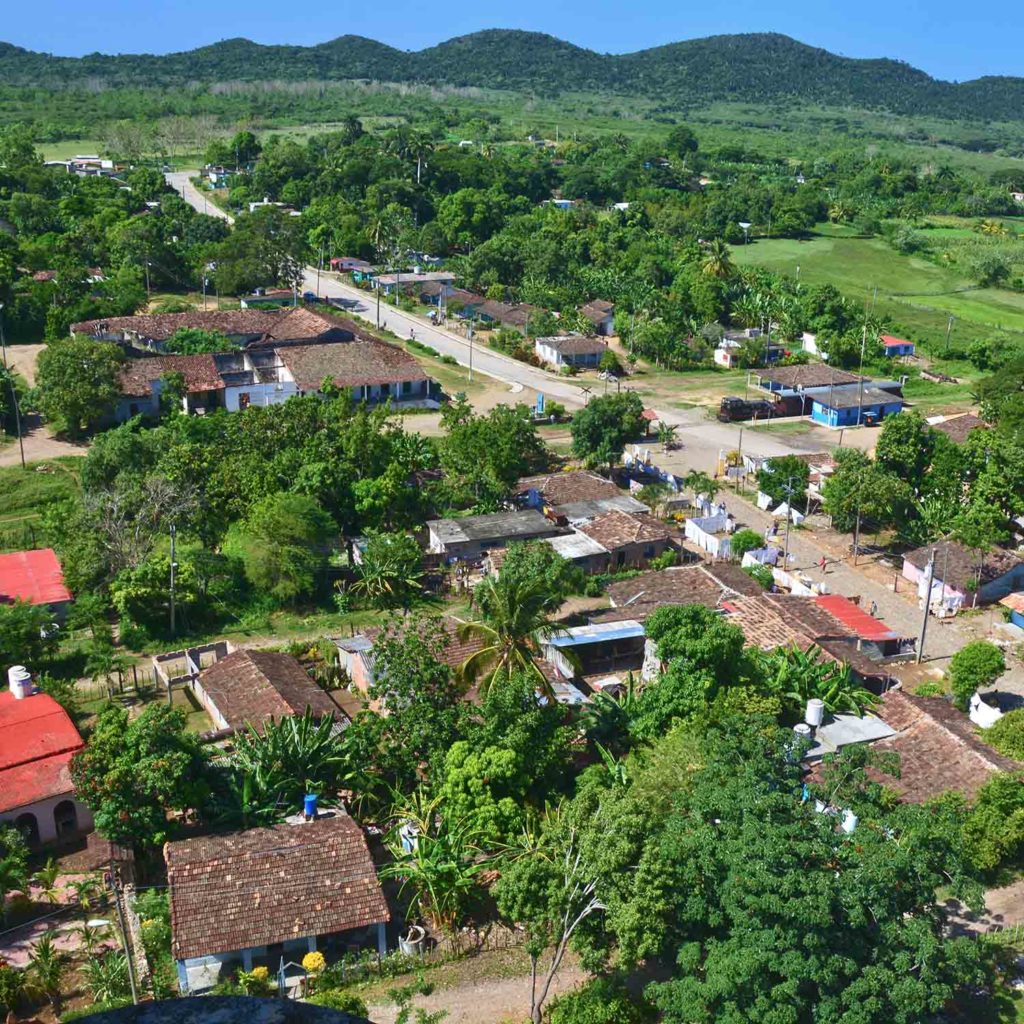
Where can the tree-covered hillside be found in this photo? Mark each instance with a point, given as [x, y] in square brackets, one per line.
[750, 68]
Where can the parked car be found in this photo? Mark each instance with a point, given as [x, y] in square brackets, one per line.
[310, 297]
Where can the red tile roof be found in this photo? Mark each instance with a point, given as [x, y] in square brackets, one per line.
[564, 488]
[350, 363]
[939, 748]
[33, 576]
[958, 428]
[268, 885]
[866, 626]
[37, 741]
[200, 373]
[254, 686]
[891, 339]
[616, 529]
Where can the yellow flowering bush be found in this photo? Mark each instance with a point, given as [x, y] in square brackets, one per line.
[260, 973]
[314, 962]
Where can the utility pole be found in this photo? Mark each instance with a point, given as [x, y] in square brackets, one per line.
[789, 518]
[469, 332]
[318, 266]
[860, 407]
[929, 574]
[115, 884]
[3, 340]
[949, 331]
[174, 567]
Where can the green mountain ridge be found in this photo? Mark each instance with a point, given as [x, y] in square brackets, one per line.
[755, 68]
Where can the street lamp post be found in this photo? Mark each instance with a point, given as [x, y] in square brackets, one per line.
[745, 224]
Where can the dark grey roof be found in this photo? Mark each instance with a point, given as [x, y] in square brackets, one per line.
[495, 526]
[849, 396]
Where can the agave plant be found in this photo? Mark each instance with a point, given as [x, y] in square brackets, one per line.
[296, 755]
[107, 977]
[46, 969]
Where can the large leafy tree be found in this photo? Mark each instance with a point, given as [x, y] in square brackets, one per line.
[135, 770]
[761, 907]
[78, 383]
[391, 570]
[905, 447]
[603, 428]
[784, 479]
[283, 544]
[26, 633]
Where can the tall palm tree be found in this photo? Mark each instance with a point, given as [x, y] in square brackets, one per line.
[514, 620]
[717, 262]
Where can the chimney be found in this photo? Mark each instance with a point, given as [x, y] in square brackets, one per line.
[814, 713]
[20, 681]
[309, 812]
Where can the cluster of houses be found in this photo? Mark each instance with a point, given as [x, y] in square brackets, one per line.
[829, 396]
[280, 353]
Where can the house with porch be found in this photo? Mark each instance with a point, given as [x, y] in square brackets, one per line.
[270, 895]
[579, 350]
[37, 742]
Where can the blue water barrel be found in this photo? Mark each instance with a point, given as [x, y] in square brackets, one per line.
[309, 805]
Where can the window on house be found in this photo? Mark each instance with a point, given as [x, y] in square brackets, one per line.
[385, 390]
[620, 558]
[406, 387]
[133, 409]
[649, 551]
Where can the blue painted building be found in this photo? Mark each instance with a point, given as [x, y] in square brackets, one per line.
[897, 346]
[854, 405]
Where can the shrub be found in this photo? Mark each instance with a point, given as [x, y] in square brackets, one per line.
[600, 1001]
[976, 665]
[743, 541]
[336, 999]
[762, 573]
[1007, 735]
[665, 560]
[88, 1011]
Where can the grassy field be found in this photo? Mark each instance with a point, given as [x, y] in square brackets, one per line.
[918, 295]
[27, 495]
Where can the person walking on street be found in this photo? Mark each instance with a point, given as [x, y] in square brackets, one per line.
[822, 564]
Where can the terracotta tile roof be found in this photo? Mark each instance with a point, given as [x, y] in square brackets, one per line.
[160, 326]
[939, 748]
[636, 598]
[574, 344]
[33, 576]
[37, 742]
[958, 565]
[504, 313]
[564, 488]
[617, 529]
[253, 686]
[812, 375]
[200, 373]
[268, 885]
[350, 363]
[301, 324]
[598, 310]
[957, 428]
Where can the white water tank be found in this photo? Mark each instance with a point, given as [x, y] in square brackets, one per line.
[20, 681]
[815, 712]
[849, 822]
[802, 731]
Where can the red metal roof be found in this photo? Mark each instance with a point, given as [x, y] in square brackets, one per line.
[37, 742]
[866, 626]
[891, 339]
[33, 576]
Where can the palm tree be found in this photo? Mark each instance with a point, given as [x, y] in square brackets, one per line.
[717, 261]
[514, 619]
[46, 969]
[46, 878]
[701, 483]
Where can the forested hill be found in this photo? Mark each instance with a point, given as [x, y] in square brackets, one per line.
[749, 68]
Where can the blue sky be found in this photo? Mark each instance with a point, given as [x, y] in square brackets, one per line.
[947, 39]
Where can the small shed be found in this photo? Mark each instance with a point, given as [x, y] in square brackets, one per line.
[894, 346]
[600, 648]
[1014, 603]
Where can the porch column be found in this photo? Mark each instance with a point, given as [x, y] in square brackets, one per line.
[382, 939]
[182, 977]
[311, 943]
[246, 959]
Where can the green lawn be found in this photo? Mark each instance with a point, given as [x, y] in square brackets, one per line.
[918, 295]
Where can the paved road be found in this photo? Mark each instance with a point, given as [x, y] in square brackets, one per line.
[695, 431]
[181, 182]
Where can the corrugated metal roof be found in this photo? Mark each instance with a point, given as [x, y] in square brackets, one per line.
[866, 626]
[595, 633]
[33, 576]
